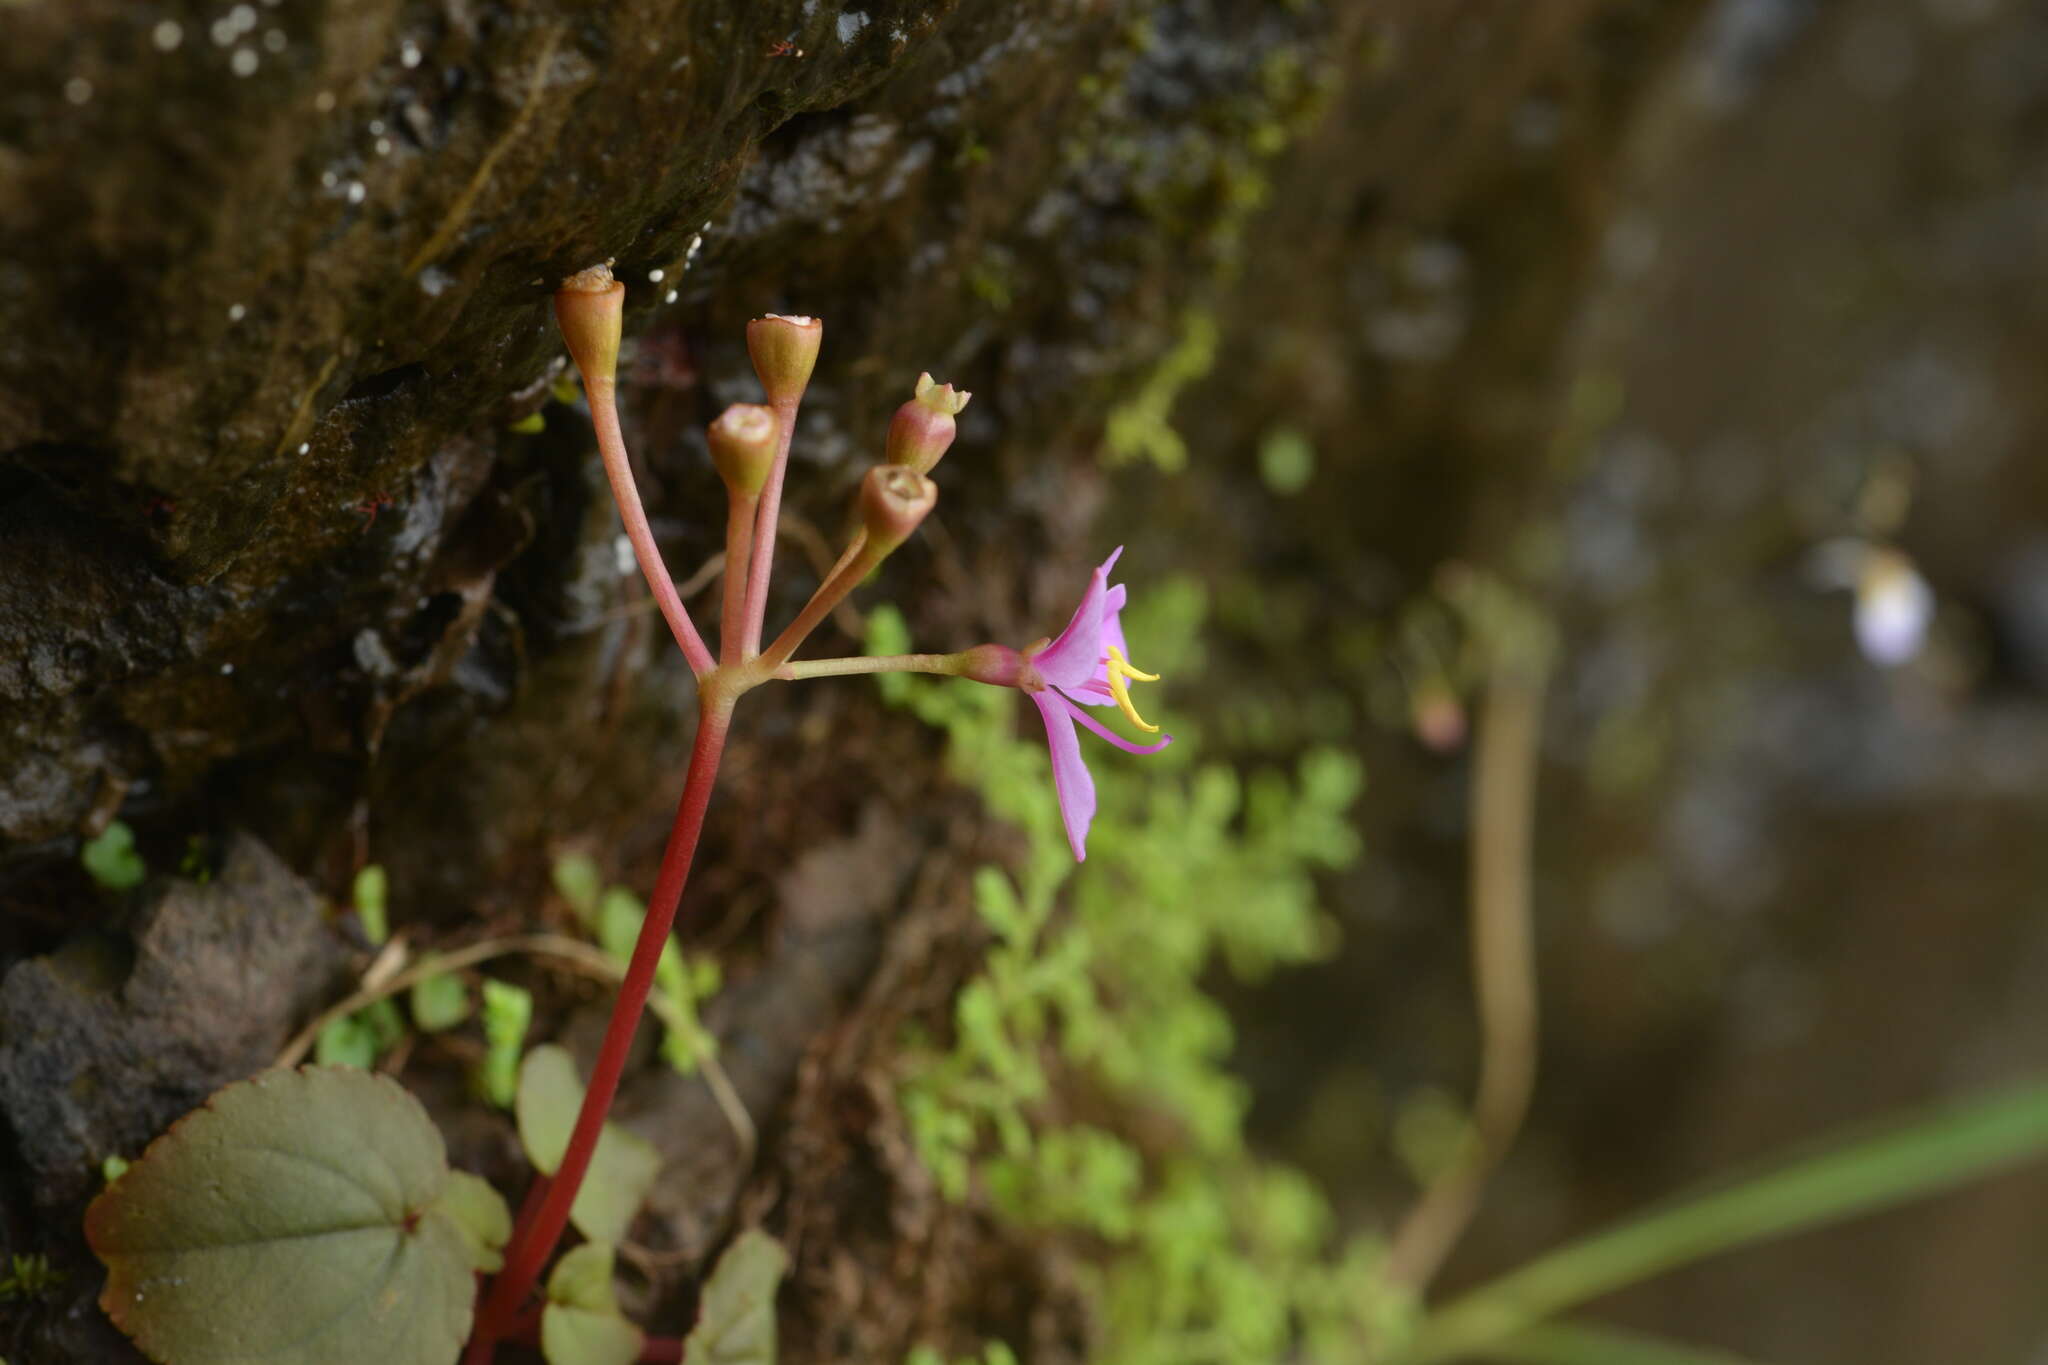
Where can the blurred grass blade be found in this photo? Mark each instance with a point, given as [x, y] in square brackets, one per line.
[1572, 1343]
[1916, 1157]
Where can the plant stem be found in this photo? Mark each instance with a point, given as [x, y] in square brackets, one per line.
[658, 1350]
[532, 1242]
[1574, 1343]
[1503, 969]
[741, 512]
[1958, 1143]
[611, 447]
[763, 561]
[845, 577]
[881, 663]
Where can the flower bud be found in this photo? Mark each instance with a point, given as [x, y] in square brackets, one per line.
[923, 428]
[1437, 717]
[587, 309]
[743, 446]
[996, 665]
[784, 350]
[893, 500]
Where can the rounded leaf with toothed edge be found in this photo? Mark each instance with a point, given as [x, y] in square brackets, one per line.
[295, 1219]
[481, 1216]
[622, 1167]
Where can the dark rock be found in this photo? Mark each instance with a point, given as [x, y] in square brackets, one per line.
[104, 1042]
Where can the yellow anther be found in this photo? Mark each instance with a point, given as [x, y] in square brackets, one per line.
[1119, 670]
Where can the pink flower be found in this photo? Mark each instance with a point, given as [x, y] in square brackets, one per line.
[1087, 665]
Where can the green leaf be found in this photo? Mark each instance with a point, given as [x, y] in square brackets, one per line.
[292, 1220]
[622, 1168]
[386, 1024]
[507, 1012]
[371, 890]
[439, 1002]
[348, 1041]
[619, 915]
[530, 425]
[1287, 461]
[480, 1215]
[111, 859]
[578, 882]
[581, 1324]
[736, 1317]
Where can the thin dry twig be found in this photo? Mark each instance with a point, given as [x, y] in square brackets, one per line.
[585, 958]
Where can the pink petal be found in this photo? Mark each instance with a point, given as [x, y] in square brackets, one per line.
[1112, 634]
[1096, 727]
[1074, 657]
[1070, 779]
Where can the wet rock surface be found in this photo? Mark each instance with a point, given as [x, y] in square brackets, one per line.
[1631, 304]
[106, 1040]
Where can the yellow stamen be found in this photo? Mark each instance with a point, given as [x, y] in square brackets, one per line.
[1119, 670]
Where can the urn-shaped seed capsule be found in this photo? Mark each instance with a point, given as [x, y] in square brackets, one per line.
[893, 500]
[743, 446]
[784, 351]
[588, 308]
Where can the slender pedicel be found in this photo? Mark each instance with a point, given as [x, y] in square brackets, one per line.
[588, 308]
[893, 501]
[784, 351]
[743, 445]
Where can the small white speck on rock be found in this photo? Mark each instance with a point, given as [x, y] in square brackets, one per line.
[669, 297]
[654, 277]
[274, 40]
[356, 191]
[227, 670]
[383, 146]
[236, 312]
[243, 63]
[78, 90]
[409, 54]
[324, 101]
[376, 127]
[167, 35]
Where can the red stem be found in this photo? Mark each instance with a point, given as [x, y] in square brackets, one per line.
[661, 1350]
[534, 1239]
[611, 445]
[764, 528]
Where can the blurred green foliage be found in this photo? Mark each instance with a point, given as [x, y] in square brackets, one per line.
[29, 1277]
[613, 916]
[112, 860]
[507, 1011]
[1093, 984]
